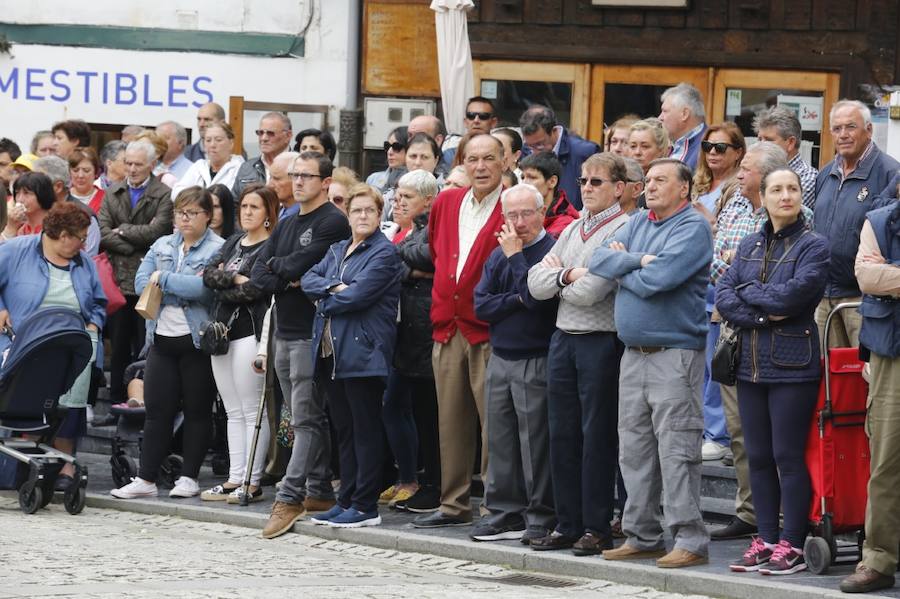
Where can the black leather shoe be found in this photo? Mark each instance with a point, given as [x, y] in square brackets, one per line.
[736, 529]
[592, 544]
[439, 519]
[552, 542]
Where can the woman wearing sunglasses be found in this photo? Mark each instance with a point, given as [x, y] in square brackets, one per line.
[721, 152]
[395, 148]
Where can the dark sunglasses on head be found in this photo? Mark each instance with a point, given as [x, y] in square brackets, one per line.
[396, 146]
[482, 116]
[720, 147]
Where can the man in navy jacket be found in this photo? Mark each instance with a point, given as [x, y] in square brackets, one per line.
[847, 188]
[541, 133]
[518, 491]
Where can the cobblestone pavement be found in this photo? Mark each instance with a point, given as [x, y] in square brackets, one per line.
[107, 554]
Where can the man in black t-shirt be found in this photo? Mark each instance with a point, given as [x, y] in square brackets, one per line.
[297, 244]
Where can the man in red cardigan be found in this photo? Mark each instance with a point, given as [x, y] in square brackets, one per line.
[462, 232]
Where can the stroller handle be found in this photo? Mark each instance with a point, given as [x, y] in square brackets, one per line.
[840, 307]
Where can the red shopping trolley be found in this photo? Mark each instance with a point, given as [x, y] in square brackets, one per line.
[837, 455]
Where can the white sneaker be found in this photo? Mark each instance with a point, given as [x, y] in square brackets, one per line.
[713, 451]
[185, 487]
[138, 487]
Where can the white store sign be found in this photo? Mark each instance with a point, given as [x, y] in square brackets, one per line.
[40, 85]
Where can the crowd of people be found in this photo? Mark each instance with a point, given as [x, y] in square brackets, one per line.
[515, 302]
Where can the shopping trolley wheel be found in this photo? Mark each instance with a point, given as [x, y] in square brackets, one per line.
[170, 469]
[74, 499]
[818, 555]
[123, 469]
[31, 497]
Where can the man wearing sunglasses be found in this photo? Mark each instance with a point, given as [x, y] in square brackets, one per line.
[682, 114]
[541, 132]
[274, 136]
[480, 117]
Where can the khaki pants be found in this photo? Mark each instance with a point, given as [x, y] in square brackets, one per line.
[882, 544]
[743, 502]
[845, 325]
[459, 370]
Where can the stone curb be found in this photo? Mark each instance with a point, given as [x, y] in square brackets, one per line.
[675, 581]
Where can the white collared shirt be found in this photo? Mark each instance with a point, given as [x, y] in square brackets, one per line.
[472, 217]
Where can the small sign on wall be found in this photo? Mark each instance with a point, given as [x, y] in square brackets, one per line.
[642, 3]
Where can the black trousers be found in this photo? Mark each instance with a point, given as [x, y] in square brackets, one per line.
[178, 377]
[354, 405]
[126, 339]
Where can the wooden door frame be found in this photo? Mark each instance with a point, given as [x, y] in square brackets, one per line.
[578, 74]
[827, 83]
[601, 74]
[237, 105]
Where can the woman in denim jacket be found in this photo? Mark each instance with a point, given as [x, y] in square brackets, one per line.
[770, 294]
[178, 376]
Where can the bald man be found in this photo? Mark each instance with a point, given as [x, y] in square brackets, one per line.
[208, 114]
[433, 126]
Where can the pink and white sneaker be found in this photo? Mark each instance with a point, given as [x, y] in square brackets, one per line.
[785, 560]
[756, 556]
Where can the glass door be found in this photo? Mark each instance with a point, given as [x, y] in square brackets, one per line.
[617, 90]
[244, 115]
[738, 94]
[514, 86]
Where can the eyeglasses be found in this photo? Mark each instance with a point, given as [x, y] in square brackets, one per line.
[396, 146]
[188, 214]
[594, 181]
[849, 128]
[481, 116]
[720, 147]
[268, 133]
[514, 216]
[81, 239]
[360, 211]
[304, 176]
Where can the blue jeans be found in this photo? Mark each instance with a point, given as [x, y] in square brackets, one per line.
[714, 428]
[582, 403]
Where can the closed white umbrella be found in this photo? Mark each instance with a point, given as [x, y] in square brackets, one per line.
[454, 59]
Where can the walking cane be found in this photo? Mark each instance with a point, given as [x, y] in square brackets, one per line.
[245, 496]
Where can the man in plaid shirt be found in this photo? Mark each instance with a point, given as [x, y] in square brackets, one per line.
[780, 125]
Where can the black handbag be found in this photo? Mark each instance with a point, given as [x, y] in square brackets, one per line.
[726, 356]
[214, 335]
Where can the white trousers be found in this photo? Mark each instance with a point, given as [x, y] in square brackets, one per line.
[241, 389]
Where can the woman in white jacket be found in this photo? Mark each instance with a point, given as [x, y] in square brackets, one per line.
[219, 166]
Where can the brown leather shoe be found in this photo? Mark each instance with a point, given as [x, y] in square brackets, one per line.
[553, 542]
[866, 580]
[626, 551]
[282, 518]
[681, 558]
[317, 504]
[592, 544]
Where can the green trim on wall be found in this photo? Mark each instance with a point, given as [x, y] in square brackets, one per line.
[146, 38]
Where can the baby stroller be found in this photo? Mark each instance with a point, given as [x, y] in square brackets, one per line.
[837, 455]
[129, 433]
[48, 352]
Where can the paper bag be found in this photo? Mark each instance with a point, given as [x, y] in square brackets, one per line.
[148, 304]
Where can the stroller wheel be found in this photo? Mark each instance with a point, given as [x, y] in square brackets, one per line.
[74, 499]
[123, 469]
[31, 497]
[818, 555]
[170, 469]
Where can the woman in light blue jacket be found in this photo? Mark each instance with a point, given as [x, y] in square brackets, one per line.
[178, 376]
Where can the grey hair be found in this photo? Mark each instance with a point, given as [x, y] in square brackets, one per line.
[782, 118]
[633, 170]
[862, 108]
[421, 181]
[688, 96]
[37, 138]
[537, 117]
[143, 144]
[770, 157]
[523, 187]
[112, 149]
[285, 121]
[180, 131]
[54, 167]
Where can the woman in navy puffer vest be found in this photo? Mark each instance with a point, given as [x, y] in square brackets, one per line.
[770, 294]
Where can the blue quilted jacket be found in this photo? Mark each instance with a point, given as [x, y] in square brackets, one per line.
[776, 274]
